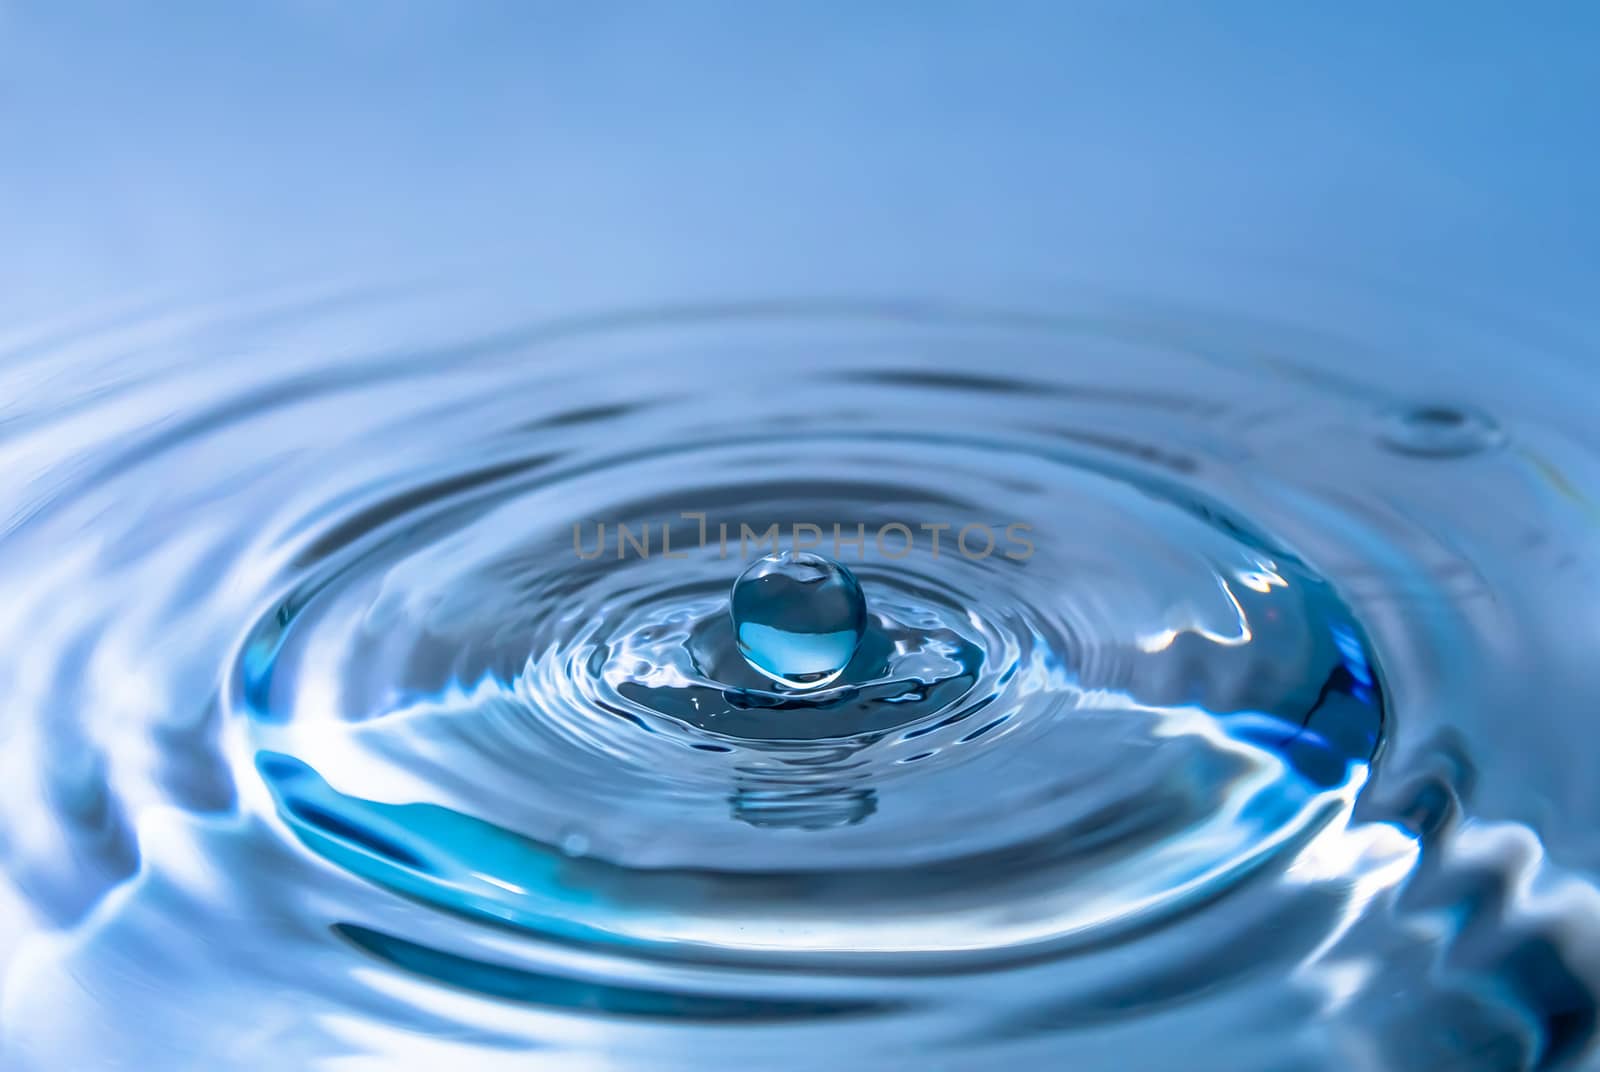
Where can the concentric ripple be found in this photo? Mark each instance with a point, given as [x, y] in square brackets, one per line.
[1116, 723]
[416, 669]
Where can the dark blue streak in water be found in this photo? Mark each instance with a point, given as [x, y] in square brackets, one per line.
[553, 991]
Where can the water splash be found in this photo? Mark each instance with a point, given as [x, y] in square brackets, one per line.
[1216, 770]
[798, 618]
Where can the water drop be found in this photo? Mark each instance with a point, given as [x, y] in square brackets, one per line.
[1439, 431]
[798, 618]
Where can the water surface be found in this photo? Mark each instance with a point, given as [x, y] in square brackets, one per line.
[332, 742]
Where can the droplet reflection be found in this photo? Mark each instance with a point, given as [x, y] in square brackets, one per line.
[798, 618]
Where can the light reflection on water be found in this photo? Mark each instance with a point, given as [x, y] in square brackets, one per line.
[324, 749]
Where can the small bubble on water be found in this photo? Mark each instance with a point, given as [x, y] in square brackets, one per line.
[575, 843]
[1439, 431]
[798, 618]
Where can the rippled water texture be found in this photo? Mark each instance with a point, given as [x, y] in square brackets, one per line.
[340, 732]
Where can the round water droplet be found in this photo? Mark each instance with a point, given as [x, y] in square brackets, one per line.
[1439, 431]
[798, 618]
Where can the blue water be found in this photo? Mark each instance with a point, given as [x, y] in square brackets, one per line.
[798, 617]
[1194, 407]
